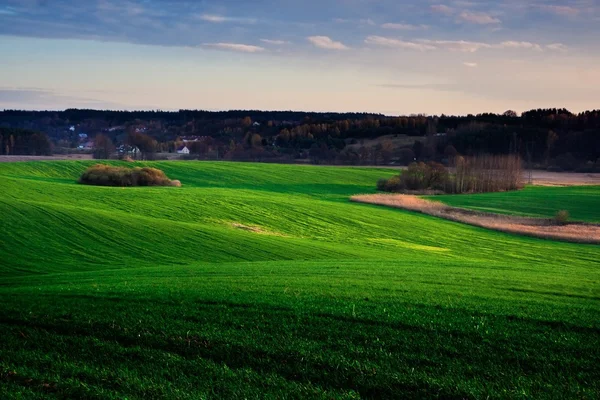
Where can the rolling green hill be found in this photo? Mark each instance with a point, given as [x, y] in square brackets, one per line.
[264, 281]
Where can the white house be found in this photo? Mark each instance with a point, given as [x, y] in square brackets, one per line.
[128, 150]
[87, 145]
[183, 150]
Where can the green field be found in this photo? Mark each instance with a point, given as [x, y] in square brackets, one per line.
[582, 202]
[263, 281]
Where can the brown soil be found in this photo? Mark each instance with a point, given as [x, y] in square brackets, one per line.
[536, 227]
[254, 229]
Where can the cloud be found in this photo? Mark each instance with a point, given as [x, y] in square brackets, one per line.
[405, 27]
[274, 42]
[363, 21]
[398, 44]
[519, 45]
[212, 18]
[324, 42]
[465, 3]
[470, 64]
[560, 10]
[7, 11]
[243, 48]
[367, 21]
[442, 9]
[218, 19]
[557, 47]
[124, 7]
[478, 18]
[457, 45]
[185, 23]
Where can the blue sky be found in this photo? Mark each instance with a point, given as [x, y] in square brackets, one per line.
[389, 56]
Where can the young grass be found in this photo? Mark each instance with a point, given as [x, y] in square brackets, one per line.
[154, 293]
[535, 201]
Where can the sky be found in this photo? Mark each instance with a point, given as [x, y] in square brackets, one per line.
[395, 57]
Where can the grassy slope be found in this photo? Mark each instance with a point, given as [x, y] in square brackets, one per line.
[153, 293]
[581, 202]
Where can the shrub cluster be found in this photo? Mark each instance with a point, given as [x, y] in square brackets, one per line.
[471, 175]
[106, 175]
[418, 176]
[562, 217]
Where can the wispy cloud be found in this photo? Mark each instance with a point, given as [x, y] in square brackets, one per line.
[458, 45]
[325, 42]
[567, 11]
[403, 27]
[470, 64]
[361, 22]
[7, 11]
[519, 45]
[218, 19]
[128, 8]
[243, 48]
[478, 18]
[398, 44]
[442, 9]
[557, 47]
[367, 21]
[275, 42]
[212, 18]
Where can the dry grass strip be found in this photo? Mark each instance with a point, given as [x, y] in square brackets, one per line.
[536, 227]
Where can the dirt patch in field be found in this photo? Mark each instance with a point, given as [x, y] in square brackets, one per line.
[536, 227]
[256, 229]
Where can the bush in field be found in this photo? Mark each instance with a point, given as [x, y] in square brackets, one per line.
[437, 176]
[418, 176]
[390, 185]
[421, 176]
[106, 175]
[562, 217]
[472, 175]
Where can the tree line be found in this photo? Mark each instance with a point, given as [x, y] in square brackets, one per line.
[26, 142]
[547, 137]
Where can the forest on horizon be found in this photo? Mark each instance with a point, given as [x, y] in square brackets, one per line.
[552, 138]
